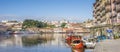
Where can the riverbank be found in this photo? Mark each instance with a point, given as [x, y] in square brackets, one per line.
[108, 46]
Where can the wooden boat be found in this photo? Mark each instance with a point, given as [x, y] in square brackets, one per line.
[75, 42]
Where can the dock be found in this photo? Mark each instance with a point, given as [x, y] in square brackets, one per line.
[108, 46]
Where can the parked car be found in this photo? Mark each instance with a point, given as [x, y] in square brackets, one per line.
[101, 37]
[89, 44]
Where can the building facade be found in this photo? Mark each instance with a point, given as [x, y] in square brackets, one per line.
[106, 15]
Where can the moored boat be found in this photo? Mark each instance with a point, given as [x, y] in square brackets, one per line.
[75, 42]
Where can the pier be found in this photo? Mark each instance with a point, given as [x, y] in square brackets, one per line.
[108, 46]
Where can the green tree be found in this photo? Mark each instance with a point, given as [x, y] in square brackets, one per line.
[63, 25]
[29, 23]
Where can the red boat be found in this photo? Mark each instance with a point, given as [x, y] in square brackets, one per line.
[75, 42]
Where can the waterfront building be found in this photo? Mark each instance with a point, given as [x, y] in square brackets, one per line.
[3, 29]
[10, 23]
[14, 25]
[64, 21]
[106, 15]
[88, 23]
[78, 28]
[56, 23]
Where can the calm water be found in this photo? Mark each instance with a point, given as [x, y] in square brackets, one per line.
[34, 43]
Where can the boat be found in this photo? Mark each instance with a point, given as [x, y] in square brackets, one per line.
[77, 44]
[75, 41]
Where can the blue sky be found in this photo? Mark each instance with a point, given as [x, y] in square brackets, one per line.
[72, 10]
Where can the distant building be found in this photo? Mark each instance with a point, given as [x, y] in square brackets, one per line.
[14, 25]
[64, 21]
[17, 26]
[88, 23]
[3, 28]
[78, 28]
[9, 23]
[56, 23]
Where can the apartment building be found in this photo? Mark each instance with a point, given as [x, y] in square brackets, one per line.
[106, 11]
[106, 15]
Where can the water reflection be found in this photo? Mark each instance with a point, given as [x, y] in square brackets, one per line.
[77, 50]
[34, 43]
[25, 40]
[36, 39]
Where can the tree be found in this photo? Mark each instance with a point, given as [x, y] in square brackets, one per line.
[63, 25]
[29, 23]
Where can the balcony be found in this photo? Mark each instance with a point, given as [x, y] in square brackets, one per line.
[98, 12]
[102, 8]
[98, 8]
[108, 8]
[103, 20]
[98, 15]
[118, 8]
[114, 14]
[103, 13]
[96, 4]
[95, 17]
[98, 19]
[117, 1]
[118, 15]
[108, 15]
[108, 2]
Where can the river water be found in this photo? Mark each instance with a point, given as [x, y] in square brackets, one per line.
[35, 43]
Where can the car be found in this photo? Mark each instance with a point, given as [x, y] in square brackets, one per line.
[89, 44]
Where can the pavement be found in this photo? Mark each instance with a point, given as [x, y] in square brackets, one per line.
[108, 46]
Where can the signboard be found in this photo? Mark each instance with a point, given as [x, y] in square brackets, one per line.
[109, 30]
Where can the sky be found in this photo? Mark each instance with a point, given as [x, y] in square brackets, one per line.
[49, 10]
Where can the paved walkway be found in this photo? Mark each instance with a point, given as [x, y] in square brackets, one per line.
[108, 46]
